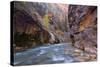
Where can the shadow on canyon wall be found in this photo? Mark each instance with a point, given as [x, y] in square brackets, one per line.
[37, 24]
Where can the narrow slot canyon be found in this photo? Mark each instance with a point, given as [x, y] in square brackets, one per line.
[53, 32]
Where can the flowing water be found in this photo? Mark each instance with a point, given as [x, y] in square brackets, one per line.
[49, 54]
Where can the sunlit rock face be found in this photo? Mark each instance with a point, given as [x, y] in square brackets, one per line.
[83, 27]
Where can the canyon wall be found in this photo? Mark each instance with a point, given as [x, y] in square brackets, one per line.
[39, 23]
[83, 27]
[43, 23]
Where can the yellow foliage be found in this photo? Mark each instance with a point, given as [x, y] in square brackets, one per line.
[45, 21]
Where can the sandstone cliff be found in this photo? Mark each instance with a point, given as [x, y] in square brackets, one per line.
[83, 27]
[46, 23]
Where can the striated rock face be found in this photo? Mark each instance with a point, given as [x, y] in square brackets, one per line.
[39, 23]
[83, 27]
[57, 13]
[28, 31]
[43, 23]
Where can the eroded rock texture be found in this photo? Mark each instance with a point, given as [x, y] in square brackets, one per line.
[43, 23]
[83, 27]
[39, 23]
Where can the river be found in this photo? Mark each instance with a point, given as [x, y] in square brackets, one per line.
[48, 54]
